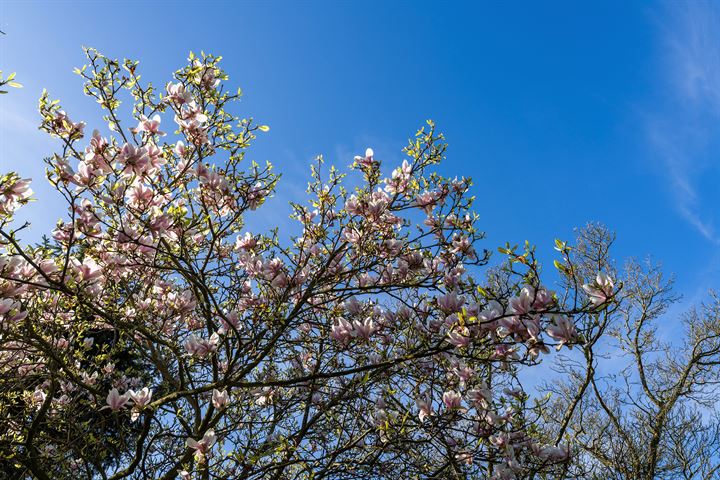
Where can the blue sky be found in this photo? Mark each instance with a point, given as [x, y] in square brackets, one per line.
[562, 112]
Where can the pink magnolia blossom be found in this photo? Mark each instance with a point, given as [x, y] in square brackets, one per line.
[206, 78]
[66, 128]
[342, 331]
[89, 379]
[88, 270]
[116, 401]
[11, 307]
[140, 196]
[140, 399]
[531, 299]
[134, 159]
[352, 306]
[202, 447]
[460, 337]
[551, 453]
[364, 329]
[176, 93]
[38, 398]
[13, 193]
[351, 235]
[150, 126]
[201, 347]
[450, 302]
[563, 330]
[97, 154]
[480, 396]
[452, 399]
[601, 290]
[220, 398]
[230, 323]
[246, 242]
[367, 160]
[424, 404]
[400, 177]
[264, 396]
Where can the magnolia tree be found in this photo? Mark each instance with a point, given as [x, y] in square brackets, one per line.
[153, 336]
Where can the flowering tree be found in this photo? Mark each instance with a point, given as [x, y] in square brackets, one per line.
[154, 337]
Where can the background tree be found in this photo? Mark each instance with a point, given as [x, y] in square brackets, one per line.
[638, 406]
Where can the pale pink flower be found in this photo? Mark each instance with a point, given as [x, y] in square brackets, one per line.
[115, 401]
[230, 323]
[494, 419]
[150, 126]
[352, 306]
[342, 332]
[523, 303]
[601, 290]
[400, 178]
[461, 244]
[140, 399]
[14, 193]
[66, 128]
[135, 160]
[220, 398]
[424, 404]
[367, 160]
[88, 270]
[246, 242]
[7, 305]
[452, 399]
[176, 93]
[88, 379]
[264, 396]
[180, 149]
[38, 398]
[460, 337]
[551, 453]
[140, 196]
[201, 347]
[426, 201]
[480, 396]
[364, 329]
[351, 235]
[450, 302]
[202, 447]
[563, 330]
[96, 154]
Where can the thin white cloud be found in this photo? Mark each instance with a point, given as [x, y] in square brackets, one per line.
[688, 124]
[695, 44]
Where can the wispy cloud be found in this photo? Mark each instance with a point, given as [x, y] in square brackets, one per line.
[685, 130]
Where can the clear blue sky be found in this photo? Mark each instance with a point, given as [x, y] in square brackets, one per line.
[562, 112]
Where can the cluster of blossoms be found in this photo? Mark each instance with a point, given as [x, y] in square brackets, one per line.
[14, 192]
[364, 346]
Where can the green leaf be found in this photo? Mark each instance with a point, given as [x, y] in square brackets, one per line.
[264, 128]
